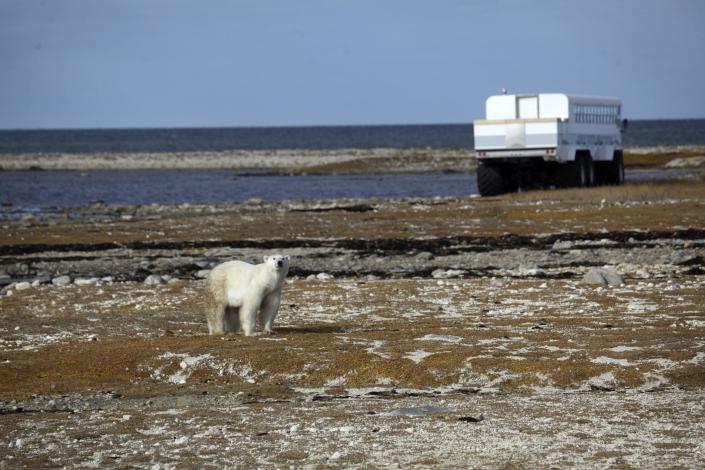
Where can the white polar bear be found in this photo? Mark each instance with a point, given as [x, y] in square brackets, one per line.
[236, 291]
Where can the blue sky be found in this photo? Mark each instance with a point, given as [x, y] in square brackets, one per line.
[177, 63]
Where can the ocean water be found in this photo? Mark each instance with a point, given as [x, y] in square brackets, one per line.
[44, 190]
[47, 191]
[28, 191]
[639, 134]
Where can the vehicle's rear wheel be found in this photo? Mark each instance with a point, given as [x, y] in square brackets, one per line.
[614, 170]
[490, 180]
[571, 174]
[588, 171]
[579, 173]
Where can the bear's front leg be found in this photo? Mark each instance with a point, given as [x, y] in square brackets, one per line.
[248, 318]
[268, 311]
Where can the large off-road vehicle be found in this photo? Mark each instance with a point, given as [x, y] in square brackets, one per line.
[548, 139]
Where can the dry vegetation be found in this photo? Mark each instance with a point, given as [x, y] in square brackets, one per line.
[525, 337]
[658, 157]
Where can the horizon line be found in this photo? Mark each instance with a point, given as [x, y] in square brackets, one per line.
[295, 126]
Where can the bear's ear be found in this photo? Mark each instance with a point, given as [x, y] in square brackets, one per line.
[265, 258]
[286, 257]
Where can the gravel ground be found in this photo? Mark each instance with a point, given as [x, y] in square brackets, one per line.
[413, 333]
[386, 373]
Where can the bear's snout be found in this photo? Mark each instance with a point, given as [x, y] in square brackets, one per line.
[280, 263]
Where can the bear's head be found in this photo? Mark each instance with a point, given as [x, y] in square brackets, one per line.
[278, 262]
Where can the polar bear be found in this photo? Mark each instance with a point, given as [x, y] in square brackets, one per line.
[236, 291]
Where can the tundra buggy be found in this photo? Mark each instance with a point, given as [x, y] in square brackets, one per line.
[548, 139]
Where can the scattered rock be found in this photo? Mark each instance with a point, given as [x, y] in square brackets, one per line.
[447, 273]
[471, 419]
[20, 286]
[561, 245]
[692, 261]
[61, 281]
[530, 271]
[603, 383]
[324, 276]
[603, 276]
[153, 280]
[86, 281]
[642, 274]
[203, 273]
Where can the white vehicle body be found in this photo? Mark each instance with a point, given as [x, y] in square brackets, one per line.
[537, 130]
[529, 125]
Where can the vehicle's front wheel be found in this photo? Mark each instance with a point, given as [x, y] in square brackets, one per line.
[490, 181]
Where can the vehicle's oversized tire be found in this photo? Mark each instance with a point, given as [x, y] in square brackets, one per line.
[614, 170]
[619, 168]
[589, 171]
[579, 173]
[490, 181]
[565, 174]
[601, 173]
[572, 174]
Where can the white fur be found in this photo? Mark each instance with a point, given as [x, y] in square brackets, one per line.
[238, 294]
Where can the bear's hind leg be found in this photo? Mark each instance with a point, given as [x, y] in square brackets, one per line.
[215, 315]
[215, 309]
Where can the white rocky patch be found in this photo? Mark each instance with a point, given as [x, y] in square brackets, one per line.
[441, 338]
[612, 361]
[418, 356]
[189, 364]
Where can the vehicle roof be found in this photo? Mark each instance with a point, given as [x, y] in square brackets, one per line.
[583, 99]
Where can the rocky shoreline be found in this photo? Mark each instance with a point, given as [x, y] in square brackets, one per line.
[637, 253]
[268, 161]
[308, 161]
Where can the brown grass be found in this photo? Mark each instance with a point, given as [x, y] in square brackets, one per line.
[310, 353]
[649, 191]
[635, 159]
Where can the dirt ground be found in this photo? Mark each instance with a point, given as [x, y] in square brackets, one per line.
[477, 370]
